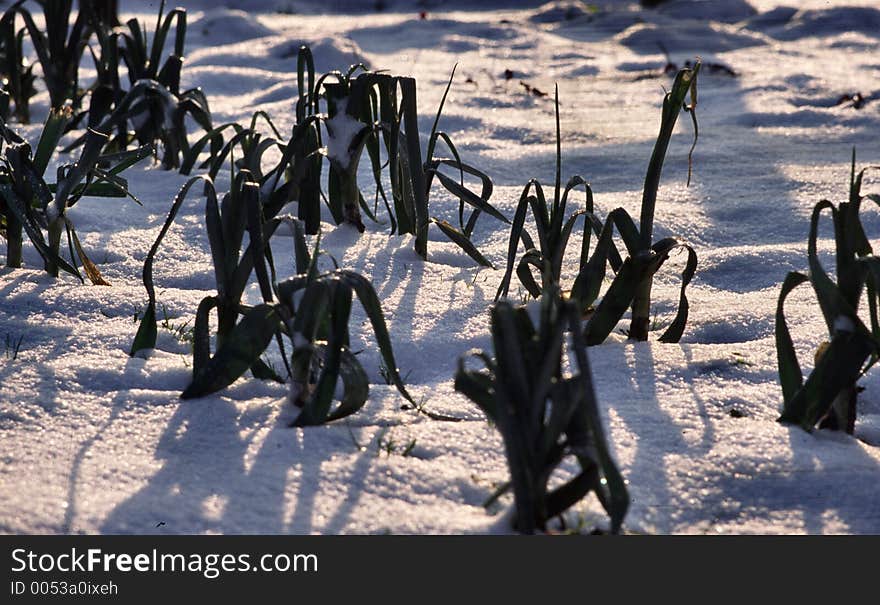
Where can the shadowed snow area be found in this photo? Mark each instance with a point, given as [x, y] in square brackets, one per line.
[96, 441]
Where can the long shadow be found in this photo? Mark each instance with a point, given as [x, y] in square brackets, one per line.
[225, 470]
[45, 377]
[314, 450]
[357, 481]
[646, 473]
[10, 291]
[117, 406]
[203, 456]
[707, 438]
[23, 292]
[852, 505]
[420, 326]
[828, 478]
[301, 521]
[831, 483]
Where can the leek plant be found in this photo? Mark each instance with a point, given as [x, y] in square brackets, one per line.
[648, 256]
[543, 414]
[154, 109]
[384, 106]
[157, 108]
[107, 67]
[251, 143]
[631, 286]
[31, 205]
[144, 60]
[59, 49]
[311, 310]
[365, 112]
[159, 116]
[828, 397]
[226, 235]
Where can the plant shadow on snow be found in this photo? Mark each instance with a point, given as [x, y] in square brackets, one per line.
[119, 405]
[809, 487]
[638, 408]
[47, 396]
[203, 452]
[667, 436]
[218, 478]
[302, 520]
[730, 330]
[18, 300]
[426, 303]
[746, 272]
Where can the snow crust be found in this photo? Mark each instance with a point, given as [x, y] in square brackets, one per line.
[94, 441]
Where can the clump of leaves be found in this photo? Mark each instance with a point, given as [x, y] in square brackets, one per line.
[316, 308]
[144, 60]
[33, 206]
[368, 112]
[631, 286]
[154, 109]
[370, 117]
[59, 48]
[828, 397]
[252, 145]
[311, 310]
[554, 231]
[543, 414]
[226, 224]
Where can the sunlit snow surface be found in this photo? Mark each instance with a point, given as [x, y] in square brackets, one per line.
[94, 441]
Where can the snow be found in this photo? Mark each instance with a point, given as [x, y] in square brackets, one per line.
[95, 441]
[341, 132]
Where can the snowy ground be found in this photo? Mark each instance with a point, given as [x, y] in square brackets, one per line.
[94, 441]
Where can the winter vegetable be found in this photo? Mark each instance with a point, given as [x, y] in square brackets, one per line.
[543, 414]
[154, 109]
[365, 112]
[144, 61]
[386, 105]
[31, 205]
[59, 49]
[101, 13]
[633, 275]
[828, 396]
[312, 310]
[647, 257]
